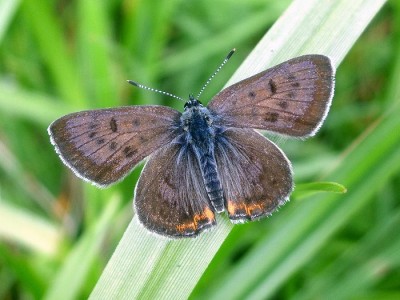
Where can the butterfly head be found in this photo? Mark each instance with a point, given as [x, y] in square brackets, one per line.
[192, 103]
[195, 115]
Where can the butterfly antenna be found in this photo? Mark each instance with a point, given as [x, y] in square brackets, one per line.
[216, 71]
[154, 90]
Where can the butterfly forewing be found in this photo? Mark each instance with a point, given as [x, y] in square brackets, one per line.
[170, 197]
[255, 174]
[291, 98]
[102, 146]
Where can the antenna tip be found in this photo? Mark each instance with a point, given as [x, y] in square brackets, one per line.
[231, 53]
[132, 82]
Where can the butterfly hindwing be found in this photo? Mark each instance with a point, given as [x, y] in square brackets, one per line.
[102, 146]
[170, 197]
[255, 174]
[291, 98]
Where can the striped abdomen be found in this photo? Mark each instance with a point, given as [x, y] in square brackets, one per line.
[211, 180]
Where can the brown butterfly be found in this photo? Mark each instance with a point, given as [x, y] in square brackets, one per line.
[206, 159]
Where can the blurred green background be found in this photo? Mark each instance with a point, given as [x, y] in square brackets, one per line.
[60, 56]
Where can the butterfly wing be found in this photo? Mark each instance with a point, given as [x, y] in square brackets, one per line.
[170, 197]
[102, 146]
[291, 98]
[255, 174]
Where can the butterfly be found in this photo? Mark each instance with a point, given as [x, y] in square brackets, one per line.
[208, 159]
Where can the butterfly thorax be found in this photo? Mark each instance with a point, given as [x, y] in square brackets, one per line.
[197, 123]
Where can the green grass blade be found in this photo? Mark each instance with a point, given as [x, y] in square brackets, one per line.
[145, 34]
[7, 11]
[154, 264]
[73, 274]
[53, 49]
[95, 42]
[359, 267]
[23, 269]
[231, 36]
[38, 108]
[145, 266]
[28, 230]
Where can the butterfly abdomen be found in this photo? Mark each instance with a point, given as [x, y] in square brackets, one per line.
[211, 181]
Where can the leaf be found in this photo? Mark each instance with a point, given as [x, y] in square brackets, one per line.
[307, 189]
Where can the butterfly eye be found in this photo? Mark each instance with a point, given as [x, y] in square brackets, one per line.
[208, 120]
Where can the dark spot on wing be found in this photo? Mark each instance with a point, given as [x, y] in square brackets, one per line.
[283, 104]
[291, 95]
[168, 181]
[292, 77]
[93, 126]
[113, 125]
[129, 152]
[272, 86]
[92, 134]
[295, 84]
[142, 139]
[136, 122]
[271, 117]
[100, 141]
[113, 145]
[252, 94]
